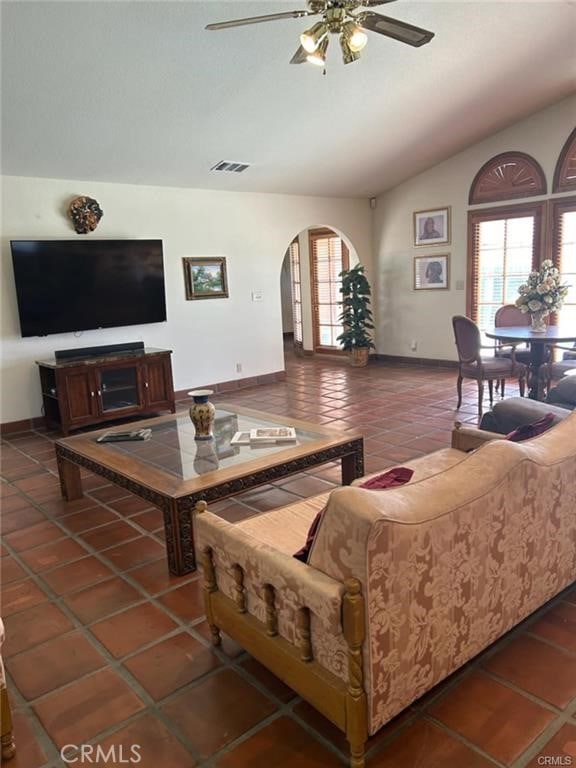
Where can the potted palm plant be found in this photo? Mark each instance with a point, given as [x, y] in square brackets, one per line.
[356, 315]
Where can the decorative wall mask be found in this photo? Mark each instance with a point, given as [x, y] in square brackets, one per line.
[85, 214]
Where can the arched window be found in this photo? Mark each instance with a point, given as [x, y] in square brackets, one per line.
[507, 176]
[565, 173]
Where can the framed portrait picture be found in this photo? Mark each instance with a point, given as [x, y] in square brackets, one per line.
[432, 272]
[205, 278]
[432, 227]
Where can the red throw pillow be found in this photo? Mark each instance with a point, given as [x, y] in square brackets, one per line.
[390, 479]
[526, 431]
[304, 552]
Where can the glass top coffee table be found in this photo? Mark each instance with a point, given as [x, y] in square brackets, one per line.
[173, 471]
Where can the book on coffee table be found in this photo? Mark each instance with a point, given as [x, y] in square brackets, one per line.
[240, 438]
[272, 435]
[264, 435]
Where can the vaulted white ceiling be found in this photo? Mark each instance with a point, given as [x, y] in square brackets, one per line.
[138, 92]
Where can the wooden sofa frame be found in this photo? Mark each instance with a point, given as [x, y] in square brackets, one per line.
[343, 704]
[8, 748]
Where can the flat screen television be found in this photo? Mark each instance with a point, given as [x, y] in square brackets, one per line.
[79, 285]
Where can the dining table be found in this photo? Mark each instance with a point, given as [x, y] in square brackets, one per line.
[537, 342]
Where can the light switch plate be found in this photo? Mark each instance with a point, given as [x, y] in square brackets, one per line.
[257, 295]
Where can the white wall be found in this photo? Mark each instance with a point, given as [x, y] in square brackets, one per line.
[425, 316]
[208, 337]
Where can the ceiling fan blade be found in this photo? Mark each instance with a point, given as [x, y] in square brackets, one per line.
[398, 30]
[259, 19]
[372, 3]
[299, 57]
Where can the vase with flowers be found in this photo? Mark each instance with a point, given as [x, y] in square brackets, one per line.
[542, 293]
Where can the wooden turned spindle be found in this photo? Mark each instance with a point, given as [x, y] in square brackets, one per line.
[271, 614]
[305, 634]
[210, 586]
[240, 588]
[356, 705]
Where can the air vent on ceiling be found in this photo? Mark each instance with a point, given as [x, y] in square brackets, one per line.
[225, 165]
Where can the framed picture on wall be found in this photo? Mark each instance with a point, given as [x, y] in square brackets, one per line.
[432, 272]
[205, 278]
[432, 227]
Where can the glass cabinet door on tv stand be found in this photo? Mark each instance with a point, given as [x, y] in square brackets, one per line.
[78, 393]
[119, 388]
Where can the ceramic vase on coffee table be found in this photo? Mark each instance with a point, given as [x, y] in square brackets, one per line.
[202, 413]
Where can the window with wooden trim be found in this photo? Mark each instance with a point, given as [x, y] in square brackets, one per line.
[296, 278]
[565, 172]
[507, 176]
[505, 244]
[563, 218]
[328, 258]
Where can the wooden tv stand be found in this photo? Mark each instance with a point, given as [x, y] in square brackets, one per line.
[80, 392]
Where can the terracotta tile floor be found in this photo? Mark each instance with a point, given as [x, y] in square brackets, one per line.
[104, 647]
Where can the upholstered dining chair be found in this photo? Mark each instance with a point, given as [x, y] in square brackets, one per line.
[6, 734]
[510, 316]
[471, 364]
[553, 371]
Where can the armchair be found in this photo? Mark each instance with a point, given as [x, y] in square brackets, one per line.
[471, 364]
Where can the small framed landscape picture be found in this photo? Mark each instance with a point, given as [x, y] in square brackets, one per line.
[432, 227]
[205, 278]
[432, 272]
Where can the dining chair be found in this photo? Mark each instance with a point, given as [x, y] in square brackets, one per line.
[511, 316]
[555, 370]
[471, 364]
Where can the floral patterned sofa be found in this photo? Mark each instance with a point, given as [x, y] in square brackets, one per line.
[402, 586]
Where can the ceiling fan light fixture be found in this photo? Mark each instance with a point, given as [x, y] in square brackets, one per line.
[348, 55]
[311, 38]
[318, 57]
[355, 36]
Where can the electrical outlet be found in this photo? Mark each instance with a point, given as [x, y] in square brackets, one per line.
[413, 345]
[238, 367]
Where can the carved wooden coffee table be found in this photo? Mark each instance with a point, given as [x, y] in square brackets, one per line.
[173, 471]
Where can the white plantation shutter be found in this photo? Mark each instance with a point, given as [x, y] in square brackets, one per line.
[296, 277]
[564, 255]
[504, 247]
[328, 256]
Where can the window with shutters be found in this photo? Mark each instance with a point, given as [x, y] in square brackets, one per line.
[564, 254]
[505, 245]
[565, 173]
[296, 278]
[507, 176]
[328, 257]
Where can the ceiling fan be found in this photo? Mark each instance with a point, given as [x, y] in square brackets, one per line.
[347, 18]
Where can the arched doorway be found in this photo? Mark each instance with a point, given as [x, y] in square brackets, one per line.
[310, 288]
